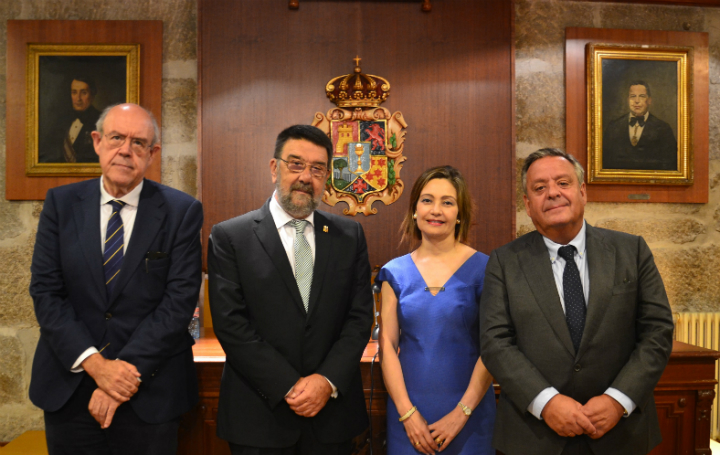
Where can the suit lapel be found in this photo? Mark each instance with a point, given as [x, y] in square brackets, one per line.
[323, 244]
[269, 238]
[148, 222]
[601, 267]
[535, 264]
[87, 219]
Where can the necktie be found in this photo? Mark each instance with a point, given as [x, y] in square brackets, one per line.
[114, 243]
[575, 309]
[303, 261]
[640, 120]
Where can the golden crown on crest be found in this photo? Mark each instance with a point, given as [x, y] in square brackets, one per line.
[358, 89]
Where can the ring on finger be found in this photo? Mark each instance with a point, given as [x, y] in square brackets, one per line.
[417, 443]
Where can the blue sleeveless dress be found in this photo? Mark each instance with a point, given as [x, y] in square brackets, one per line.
[439, 347]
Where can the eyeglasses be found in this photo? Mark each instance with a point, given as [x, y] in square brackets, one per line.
[137, 145]
[298, 166]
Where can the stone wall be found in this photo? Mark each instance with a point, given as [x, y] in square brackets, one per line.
[685, 238]
[18, 220]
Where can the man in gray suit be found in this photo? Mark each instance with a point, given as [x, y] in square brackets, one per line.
[575, 326]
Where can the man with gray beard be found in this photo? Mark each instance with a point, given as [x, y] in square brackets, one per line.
[292, 308]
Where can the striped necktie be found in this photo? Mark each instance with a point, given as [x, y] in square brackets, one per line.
[114, 243]
[303, 261]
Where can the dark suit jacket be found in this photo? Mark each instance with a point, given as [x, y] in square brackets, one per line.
[52, 142]
[271, 342]
[146, 318]
[656, 150]
[526, 344]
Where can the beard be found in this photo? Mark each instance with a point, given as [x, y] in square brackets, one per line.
[301, 209]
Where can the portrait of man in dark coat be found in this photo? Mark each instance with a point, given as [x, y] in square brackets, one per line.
[639, 139]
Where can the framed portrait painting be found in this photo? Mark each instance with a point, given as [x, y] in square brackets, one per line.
[60, 75]
[68, 87]
[640, 104]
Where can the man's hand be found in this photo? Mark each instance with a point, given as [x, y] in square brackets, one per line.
[309, 395]
[102, 407]
[604, 413]
[564, 415]
[117, 378]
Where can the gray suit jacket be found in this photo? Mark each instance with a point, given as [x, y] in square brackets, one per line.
[525, 342]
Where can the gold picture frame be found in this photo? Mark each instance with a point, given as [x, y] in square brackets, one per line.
[110, 72]
[640, 105]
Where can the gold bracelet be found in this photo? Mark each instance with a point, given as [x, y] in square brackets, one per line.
[408, 414]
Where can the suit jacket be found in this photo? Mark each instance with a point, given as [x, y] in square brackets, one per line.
[526, 345]
[270, 341]
[145, 319]
[656, 150]
[56, 138]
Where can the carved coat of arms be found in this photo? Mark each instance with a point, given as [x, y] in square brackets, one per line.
[367, 143]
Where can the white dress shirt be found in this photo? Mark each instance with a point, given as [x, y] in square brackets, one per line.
[287, 231]
[287, 237]
[636, 130]
[558, 267]
[128, 212]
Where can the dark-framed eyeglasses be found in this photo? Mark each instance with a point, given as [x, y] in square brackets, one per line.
[137, 145]
[297, 166]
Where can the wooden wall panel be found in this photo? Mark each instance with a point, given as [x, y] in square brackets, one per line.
[20, 33]
[264, 67]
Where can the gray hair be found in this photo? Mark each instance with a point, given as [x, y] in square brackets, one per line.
[156, 129]
[542, 153]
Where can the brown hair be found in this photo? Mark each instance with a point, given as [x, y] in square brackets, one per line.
[409, 230]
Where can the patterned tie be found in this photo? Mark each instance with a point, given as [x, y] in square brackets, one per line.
[114, 243]
[575, 309]
[303, 261]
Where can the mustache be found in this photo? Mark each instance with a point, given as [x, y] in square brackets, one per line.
[305, 187]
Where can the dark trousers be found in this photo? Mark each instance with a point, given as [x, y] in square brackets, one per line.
[306, 445]
[577, 446]
[73, 431]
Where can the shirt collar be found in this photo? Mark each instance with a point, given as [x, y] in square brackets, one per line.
[281, 217]
[132, 198]
[645, 117]
[578, 242]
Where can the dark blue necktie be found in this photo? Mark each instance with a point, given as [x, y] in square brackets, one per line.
[114, 243]
[575, 309]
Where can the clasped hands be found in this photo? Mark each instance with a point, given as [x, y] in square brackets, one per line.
[309, 395]
[435, 437]
[117, 382]
[569, 418]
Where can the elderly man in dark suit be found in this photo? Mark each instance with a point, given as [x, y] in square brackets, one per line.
[575, 326]
[639, 140]
[115, 279]
[292, 308]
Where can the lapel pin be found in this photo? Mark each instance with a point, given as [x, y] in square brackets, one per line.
[325, 228]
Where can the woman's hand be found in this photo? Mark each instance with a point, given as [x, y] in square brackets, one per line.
[444, 430]
[419, 434]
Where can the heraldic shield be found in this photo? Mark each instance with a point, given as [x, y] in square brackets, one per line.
[367, 144]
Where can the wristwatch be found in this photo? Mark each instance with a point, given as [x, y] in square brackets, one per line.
[467, 411]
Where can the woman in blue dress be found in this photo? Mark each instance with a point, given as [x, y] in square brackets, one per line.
[441, 394]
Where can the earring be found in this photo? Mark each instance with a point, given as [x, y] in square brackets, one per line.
[414, 216]
[457, 221]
